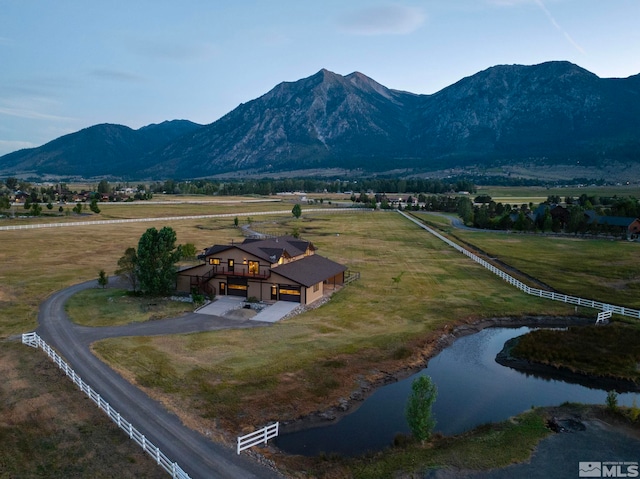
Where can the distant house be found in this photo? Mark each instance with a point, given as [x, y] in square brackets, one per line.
[628, 225]
[279, 269]
[558, 214]
[21, 197]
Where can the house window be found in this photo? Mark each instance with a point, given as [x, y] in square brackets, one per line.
[292, 292]
[254, 267]
[214, 261]
[231, 263]
[316, 287]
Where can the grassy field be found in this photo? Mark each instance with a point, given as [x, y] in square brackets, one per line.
[37, 262]
[306, 363]
[598, 269]
[517, 195]
[163, 207]
[114, 307]
[50, 429]
[247, 377]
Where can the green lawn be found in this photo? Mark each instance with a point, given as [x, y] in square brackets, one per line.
[114, 307]
[603, 270]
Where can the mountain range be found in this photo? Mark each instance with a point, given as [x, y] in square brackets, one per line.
[551, 113]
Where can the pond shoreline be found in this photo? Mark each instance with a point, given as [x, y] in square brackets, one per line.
[435, 344]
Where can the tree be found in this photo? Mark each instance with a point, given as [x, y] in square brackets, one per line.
[482, 199]
[103, 279]
[296, 211]
[36, 209]
[104, 187]
[235, 221]
[189, 251]
[12, 183]
[128, 268]
[5, 203]
[77, 208]
[94, 206]
[464, 208]
[157, 256]
[418, 412]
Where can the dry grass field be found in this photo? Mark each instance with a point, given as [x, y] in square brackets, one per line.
[240, 379]
[599, 269]
[48, 429]
[235, 380]
[517, 195]
[37, 262]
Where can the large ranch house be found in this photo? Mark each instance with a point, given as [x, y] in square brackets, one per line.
[275, 269]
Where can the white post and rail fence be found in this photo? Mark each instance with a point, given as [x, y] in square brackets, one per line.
[261, 436]
[606, 308]
[33, 340]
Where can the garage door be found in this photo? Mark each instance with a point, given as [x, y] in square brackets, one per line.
[237, 287]
[290, 293]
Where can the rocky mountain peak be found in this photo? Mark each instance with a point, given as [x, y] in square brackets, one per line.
[555, 111]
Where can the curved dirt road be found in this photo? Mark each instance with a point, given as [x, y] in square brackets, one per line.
[197, 455]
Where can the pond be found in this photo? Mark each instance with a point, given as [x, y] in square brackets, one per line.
[473, 389]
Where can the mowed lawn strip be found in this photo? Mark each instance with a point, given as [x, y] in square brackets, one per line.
[114, 307]
[244, 378]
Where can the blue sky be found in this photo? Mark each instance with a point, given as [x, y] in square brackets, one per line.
[70, 64]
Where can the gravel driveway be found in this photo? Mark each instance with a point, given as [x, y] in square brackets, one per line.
[196, 454]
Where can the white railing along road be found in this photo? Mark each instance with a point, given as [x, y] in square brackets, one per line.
[33, 340]
[589, 303]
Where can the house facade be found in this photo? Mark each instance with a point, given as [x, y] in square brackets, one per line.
[275, 269]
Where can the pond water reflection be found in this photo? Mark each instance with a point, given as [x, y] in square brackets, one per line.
[472, 389]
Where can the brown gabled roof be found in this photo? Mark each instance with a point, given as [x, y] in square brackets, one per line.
[271, 249]
[309, 270]
[276, 246]
[217, 248]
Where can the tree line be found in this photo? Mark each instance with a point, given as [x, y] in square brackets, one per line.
[578, 215]
[311, 185]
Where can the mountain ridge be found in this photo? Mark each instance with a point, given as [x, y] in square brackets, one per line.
[551, 112]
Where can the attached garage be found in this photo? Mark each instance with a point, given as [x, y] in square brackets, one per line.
[289, 293]
[237, 287]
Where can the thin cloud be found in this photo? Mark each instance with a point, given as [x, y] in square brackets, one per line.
[116, 75]
[558, 27]
[545, 10]
[33, 115]
[383, 20]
